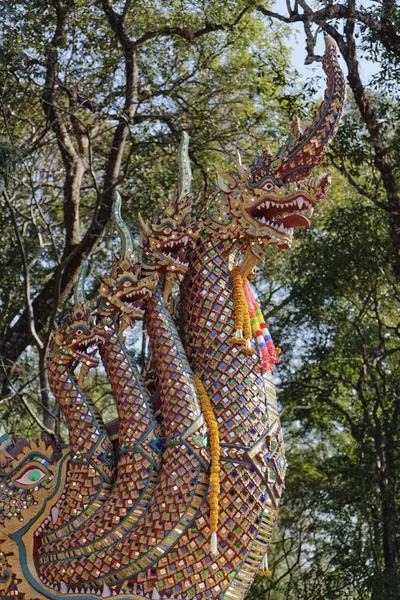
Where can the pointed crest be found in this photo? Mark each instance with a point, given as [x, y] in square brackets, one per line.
[123, 230]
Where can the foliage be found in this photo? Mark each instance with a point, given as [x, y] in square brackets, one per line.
[95, 95]
[340, 391]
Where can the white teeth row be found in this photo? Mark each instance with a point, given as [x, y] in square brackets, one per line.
[92, 340]
[298, 203]
[175, 259]
[56, 509]
[106, 592]
[280, 228]
[141, 292]
[131, 305]
[185, 240]
[64, 589]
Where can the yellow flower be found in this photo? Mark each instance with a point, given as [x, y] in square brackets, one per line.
[214, 443]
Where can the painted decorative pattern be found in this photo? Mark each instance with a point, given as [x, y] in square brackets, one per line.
[183, 507]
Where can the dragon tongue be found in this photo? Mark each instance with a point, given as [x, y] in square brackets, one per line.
[294, 221]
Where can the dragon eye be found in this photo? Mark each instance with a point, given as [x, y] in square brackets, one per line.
[168, 230]
[79, 332]
[31, 476]
[126, 284]
[268, 186]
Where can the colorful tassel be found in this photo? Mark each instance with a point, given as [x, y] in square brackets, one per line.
[269, 354]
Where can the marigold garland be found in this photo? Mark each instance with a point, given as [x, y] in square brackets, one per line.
[239, 306]
[249, 323]
[243, 333]
[215, 468]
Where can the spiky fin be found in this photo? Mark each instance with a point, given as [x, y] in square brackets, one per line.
[304, 150]
[127, 245]
[79, 292]
[184, 183]
[179, 209]
[5, 439]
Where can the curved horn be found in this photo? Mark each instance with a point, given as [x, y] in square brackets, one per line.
[304, 150]
[123, 230]
[145, 226]
[79, 291]
[242, 170]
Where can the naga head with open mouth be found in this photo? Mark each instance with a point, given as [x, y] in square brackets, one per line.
[125, 292]
[164, 245]
[264, 203]
[76, 339]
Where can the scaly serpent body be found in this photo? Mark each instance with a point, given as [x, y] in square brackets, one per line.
[163, 550]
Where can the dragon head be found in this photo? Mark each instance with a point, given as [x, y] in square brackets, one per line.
[262, 205]
[164, 245]
[125, 292]
[75, 340]
[32, 481]
[27, 478]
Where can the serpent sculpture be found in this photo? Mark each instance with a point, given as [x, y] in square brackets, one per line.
[182, 502]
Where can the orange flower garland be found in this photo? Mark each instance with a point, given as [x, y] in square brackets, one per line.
[215, 469]
[243, 333]
[239, 306]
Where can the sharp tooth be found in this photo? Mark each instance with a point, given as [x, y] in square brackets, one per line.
[54, 514]
[282, 227]
[300, 202]
[267, 203]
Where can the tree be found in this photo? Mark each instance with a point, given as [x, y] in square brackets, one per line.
[339, 328]
[94, 96]
[377, 27]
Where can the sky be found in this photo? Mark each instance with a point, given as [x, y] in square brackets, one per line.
[297, 42]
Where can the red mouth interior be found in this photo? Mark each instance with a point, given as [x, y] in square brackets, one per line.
[284, 215]
[135, 298]
[87, 349]
[175, 250]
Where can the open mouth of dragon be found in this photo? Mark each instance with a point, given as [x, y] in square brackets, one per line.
[175, 251]
[86, 350]
[282, 216]
[134, 299]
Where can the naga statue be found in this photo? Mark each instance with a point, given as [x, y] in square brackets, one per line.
[181, 499]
